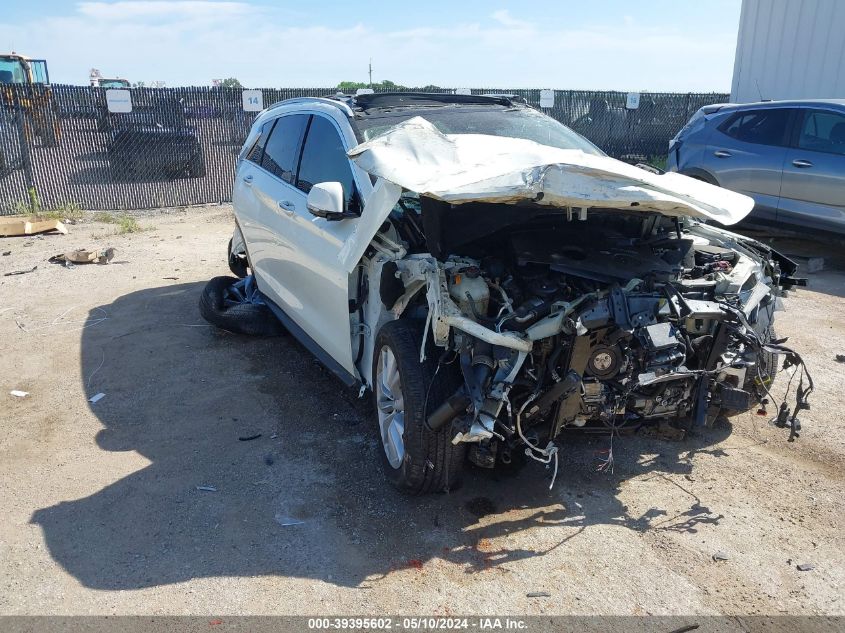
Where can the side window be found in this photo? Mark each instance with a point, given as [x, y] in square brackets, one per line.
[39, 71]
[324, 160]
[282, 148]
[764, 127]
[255, 152]
[823, 131]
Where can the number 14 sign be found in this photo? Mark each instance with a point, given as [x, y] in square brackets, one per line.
[253, 101]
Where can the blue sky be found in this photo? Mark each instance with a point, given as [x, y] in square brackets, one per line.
[656, 45]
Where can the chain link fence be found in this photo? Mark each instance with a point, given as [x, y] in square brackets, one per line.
[61, 145]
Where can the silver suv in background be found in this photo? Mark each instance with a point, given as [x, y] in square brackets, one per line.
[787, 155]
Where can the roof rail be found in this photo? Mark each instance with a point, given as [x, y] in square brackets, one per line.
[337, 102]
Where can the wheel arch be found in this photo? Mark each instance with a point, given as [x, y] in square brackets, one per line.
[700, 174]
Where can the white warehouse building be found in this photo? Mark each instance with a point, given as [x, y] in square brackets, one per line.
[790, 49]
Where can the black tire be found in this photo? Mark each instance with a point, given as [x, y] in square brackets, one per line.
[196, 168]
[431, 462]
[237, 264]
[119, 168]
[242, 318]
[50, 130]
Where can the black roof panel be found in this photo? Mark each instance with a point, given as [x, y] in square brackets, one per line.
[405, 99]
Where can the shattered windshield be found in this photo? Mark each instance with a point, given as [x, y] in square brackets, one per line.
[509, 122]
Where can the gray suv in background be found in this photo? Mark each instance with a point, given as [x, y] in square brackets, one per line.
[787, 155]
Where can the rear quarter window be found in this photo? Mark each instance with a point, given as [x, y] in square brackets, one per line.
[254, 153]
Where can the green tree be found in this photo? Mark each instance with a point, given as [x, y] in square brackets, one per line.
[231, 82]
[352, 86]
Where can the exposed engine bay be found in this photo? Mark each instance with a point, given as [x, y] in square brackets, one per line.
[573, 319]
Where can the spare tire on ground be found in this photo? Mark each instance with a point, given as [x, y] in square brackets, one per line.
[235, 305]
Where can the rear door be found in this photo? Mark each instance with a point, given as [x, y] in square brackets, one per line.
[270, 235]
[244, 199]
[746, 154]
[264, 179]
[813, 189]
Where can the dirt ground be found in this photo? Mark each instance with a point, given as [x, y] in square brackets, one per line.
[103, 513]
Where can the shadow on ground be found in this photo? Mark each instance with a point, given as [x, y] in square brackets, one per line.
[306, 498]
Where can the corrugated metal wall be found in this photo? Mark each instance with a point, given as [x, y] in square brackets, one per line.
[790, 49]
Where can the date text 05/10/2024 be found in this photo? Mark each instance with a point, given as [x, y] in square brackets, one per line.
[417, 623]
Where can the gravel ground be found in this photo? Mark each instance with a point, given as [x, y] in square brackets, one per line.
[104, 514]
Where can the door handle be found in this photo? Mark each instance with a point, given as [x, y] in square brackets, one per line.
[720, 153]
[799, 162]
[248, 179]
[287, 206]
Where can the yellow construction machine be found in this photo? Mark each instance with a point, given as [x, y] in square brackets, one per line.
[25, 87]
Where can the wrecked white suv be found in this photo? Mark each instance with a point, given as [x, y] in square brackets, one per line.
[496, 280]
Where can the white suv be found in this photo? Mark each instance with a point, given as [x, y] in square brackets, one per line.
[495, 279]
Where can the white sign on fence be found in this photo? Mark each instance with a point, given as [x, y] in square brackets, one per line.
[253, 100]
[364, 91]
[547, 98]
[463, 91]
[633, 101]
[118, 100]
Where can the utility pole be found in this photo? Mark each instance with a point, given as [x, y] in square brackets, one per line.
[371, 72]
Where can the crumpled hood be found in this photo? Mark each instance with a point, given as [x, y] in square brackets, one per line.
[460, 168]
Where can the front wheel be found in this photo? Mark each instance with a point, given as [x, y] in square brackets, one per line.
[415, 459]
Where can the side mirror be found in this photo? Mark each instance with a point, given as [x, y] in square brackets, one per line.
[325, 200]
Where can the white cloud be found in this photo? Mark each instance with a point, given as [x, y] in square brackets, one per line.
[503, 17]
[192, 41]
[142, 9]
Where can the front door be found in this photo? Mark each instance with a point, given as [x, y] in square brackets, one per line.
[813, 190]
[311, 285]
